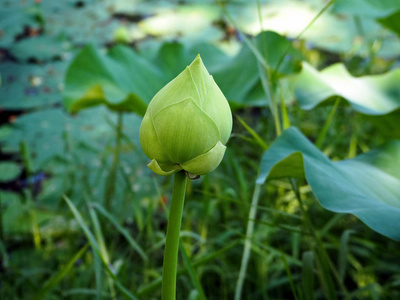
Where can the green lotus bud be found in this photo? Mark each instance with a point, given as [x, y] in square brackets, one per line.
[187, 124]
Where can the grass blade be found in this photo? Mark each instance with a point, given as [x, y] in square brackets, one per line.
[254, 134]
[343, 251]
[102, 245]
[307, 275]
[96, 248]
[324, 130]
[290, 277]
[122, 230]
[55, 280]
[192, 273]
[285, 115]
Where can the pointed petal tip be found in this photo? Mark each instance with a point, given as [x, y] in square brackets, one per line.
[197, 60]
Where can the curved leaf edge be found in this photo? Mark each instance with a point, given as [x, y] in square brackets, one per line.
[351, 200]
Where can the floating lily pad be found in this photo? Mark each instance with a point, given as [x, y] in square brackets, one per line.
[367, 186]
[27, 86]
[47, 132]
[81, 22]
[14, 17]
[41, 48]
[9, 171]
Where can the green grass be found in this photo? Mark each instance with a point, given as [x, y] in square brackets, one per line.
[289, 259]
[98, 228]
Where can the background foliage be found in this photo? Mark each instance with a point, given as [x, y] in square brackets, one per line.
[313, 86]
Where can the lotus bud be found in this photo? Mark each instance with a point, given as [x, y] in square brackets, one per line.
[187, 124]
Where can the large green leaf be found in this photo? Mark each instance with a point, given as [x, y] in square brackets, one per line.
[239, 78]
[191, 23]
[367, 186]
[121, 80]
[371, 95]
[173, 57]
[392, 22]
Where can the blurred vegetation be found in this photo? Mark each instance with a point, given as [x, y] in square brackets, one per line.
[81, 215]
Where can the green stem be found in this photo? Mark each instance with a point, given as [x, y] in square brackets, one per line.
[267, 79]
[172, 241]
[152, 286]
[324, 131]
[247, 243]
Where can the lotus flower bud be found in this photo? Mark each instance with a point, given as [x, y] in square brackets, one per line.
[187, 124]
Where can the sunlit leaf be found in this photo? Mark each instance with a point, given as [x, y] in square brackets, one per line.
[335, 30]
[189, 22]
[372, 8]
[367, 186]
[371, 95]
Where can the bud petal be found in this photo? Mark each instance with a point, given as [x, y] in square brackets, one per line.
[149, 141]
[163, 169]
[191, 133]
[187, 124]
[207, 162]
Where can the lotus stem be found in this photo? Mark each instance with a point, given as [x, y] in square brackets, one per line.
[172, 240]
